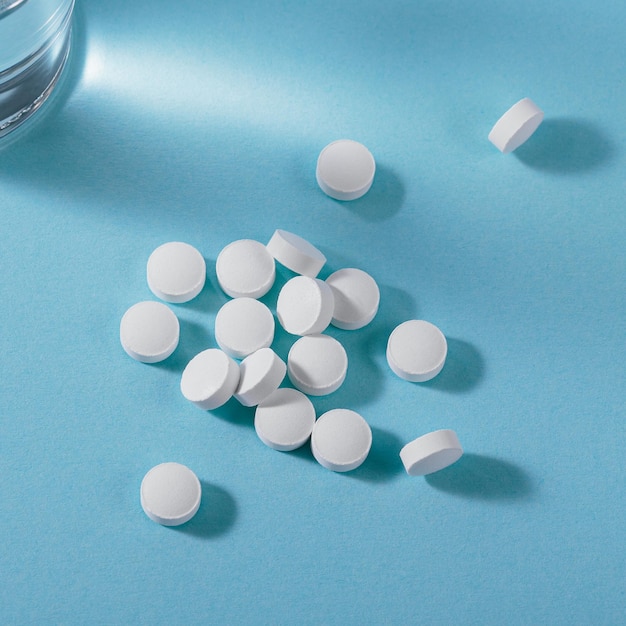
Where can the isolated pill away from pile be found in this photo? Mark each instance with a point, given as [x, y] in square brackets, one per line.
[516, 126]
[345, 170]
[176, 272]
[416, 351]
[149, 331]
[285, 419]
[431, 452]
[305, 305]
[296, 253]
[245, 268]
[170, 494]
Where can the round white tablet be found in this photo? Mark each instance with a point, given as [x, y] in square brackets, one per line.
[261, 374]
[170, 494]
[431, 453]
[305, 305]
[245, 268]
[345, 169]
[209, 380]
[341, 440]
[149, 331]
[285, 419]
[516, 126]
[356, 298]
[243, 326]
[416, 351]
[317, 364]
[176, 272]
[296, 253]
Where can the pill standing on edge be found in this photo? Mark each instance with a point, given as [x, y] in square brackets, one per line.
[296, 253]
[149, 331]
[356, 298]
[431, 452]
[260, 374]
[285, 419]
[243, 326]
[416, 351]
[170, 494]
[341, 440]
[305, 305]
[245, 268]
[176, 272]
[209, 380]
[345, 169]
[516, 126]
[317, 364]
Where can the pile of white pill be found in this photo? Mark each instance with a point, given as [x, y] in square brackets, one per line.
[245, 367]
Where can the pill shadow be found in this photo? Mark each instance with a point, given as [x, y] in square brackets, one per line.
[211, 298]
[215, 517]
[566, 146]
[384, 199]
[483, 478]
[463, 371]
[235, 413]
[383, 462]
[194, 338]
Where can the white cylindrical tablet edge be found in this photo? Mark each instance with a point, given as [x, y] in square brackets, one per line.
[439, 441]
[507, 134]
[366, 319]
[264, 387]
[301, 257]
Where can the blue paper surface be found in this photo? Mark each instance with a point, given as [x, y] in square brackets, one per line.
[202, 122]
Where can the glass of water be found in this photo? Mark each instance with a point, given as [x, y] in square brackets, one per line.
[34, 45]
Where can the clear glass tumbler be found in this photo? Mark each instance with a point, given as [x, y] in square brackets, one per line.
[34, 45]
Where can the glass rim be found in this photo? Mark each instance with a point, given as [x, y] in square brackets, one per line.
[7, 6]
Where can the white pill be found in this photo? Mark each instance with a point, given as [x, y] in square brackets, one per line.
[341, 440]
[176, 272]
[416, 351]
[170, 494]
[516, 126]
[296, 253]
[243, 326]
[149, 331]
[261, 374]
[356, 298]
[431, 453]
[305, 305]
[317, 364]
[345, 169]
[245, 268]
[285, 419]
[209, 380]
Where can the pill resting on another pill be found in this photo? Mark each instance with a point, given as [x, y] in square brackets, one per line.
[431, 452]
[260, 374]
[317, 364]
[209, 380]
[516, 126]
[341, 440]
[170, 494]
[245, 268]
[243, 326]
[345, 169]
[416, 351]
[149, 331]
[285, 419]
[176, 272]
[305, 305]
[296, 253]
[356, 298]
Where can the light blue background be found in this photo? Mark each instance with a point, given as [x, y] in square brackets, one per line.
[202, 121]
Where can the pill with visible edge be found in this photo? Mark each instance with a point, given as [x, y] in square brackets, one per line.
[285, 419]
[296, 253]
[416, 351]
[305, 305]
[209, 380]
[170, 494]
[176, 272]
[149, 331]
[356, 297]
[341, 440]
[431, 452]
[516, 126]
[261, 374]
